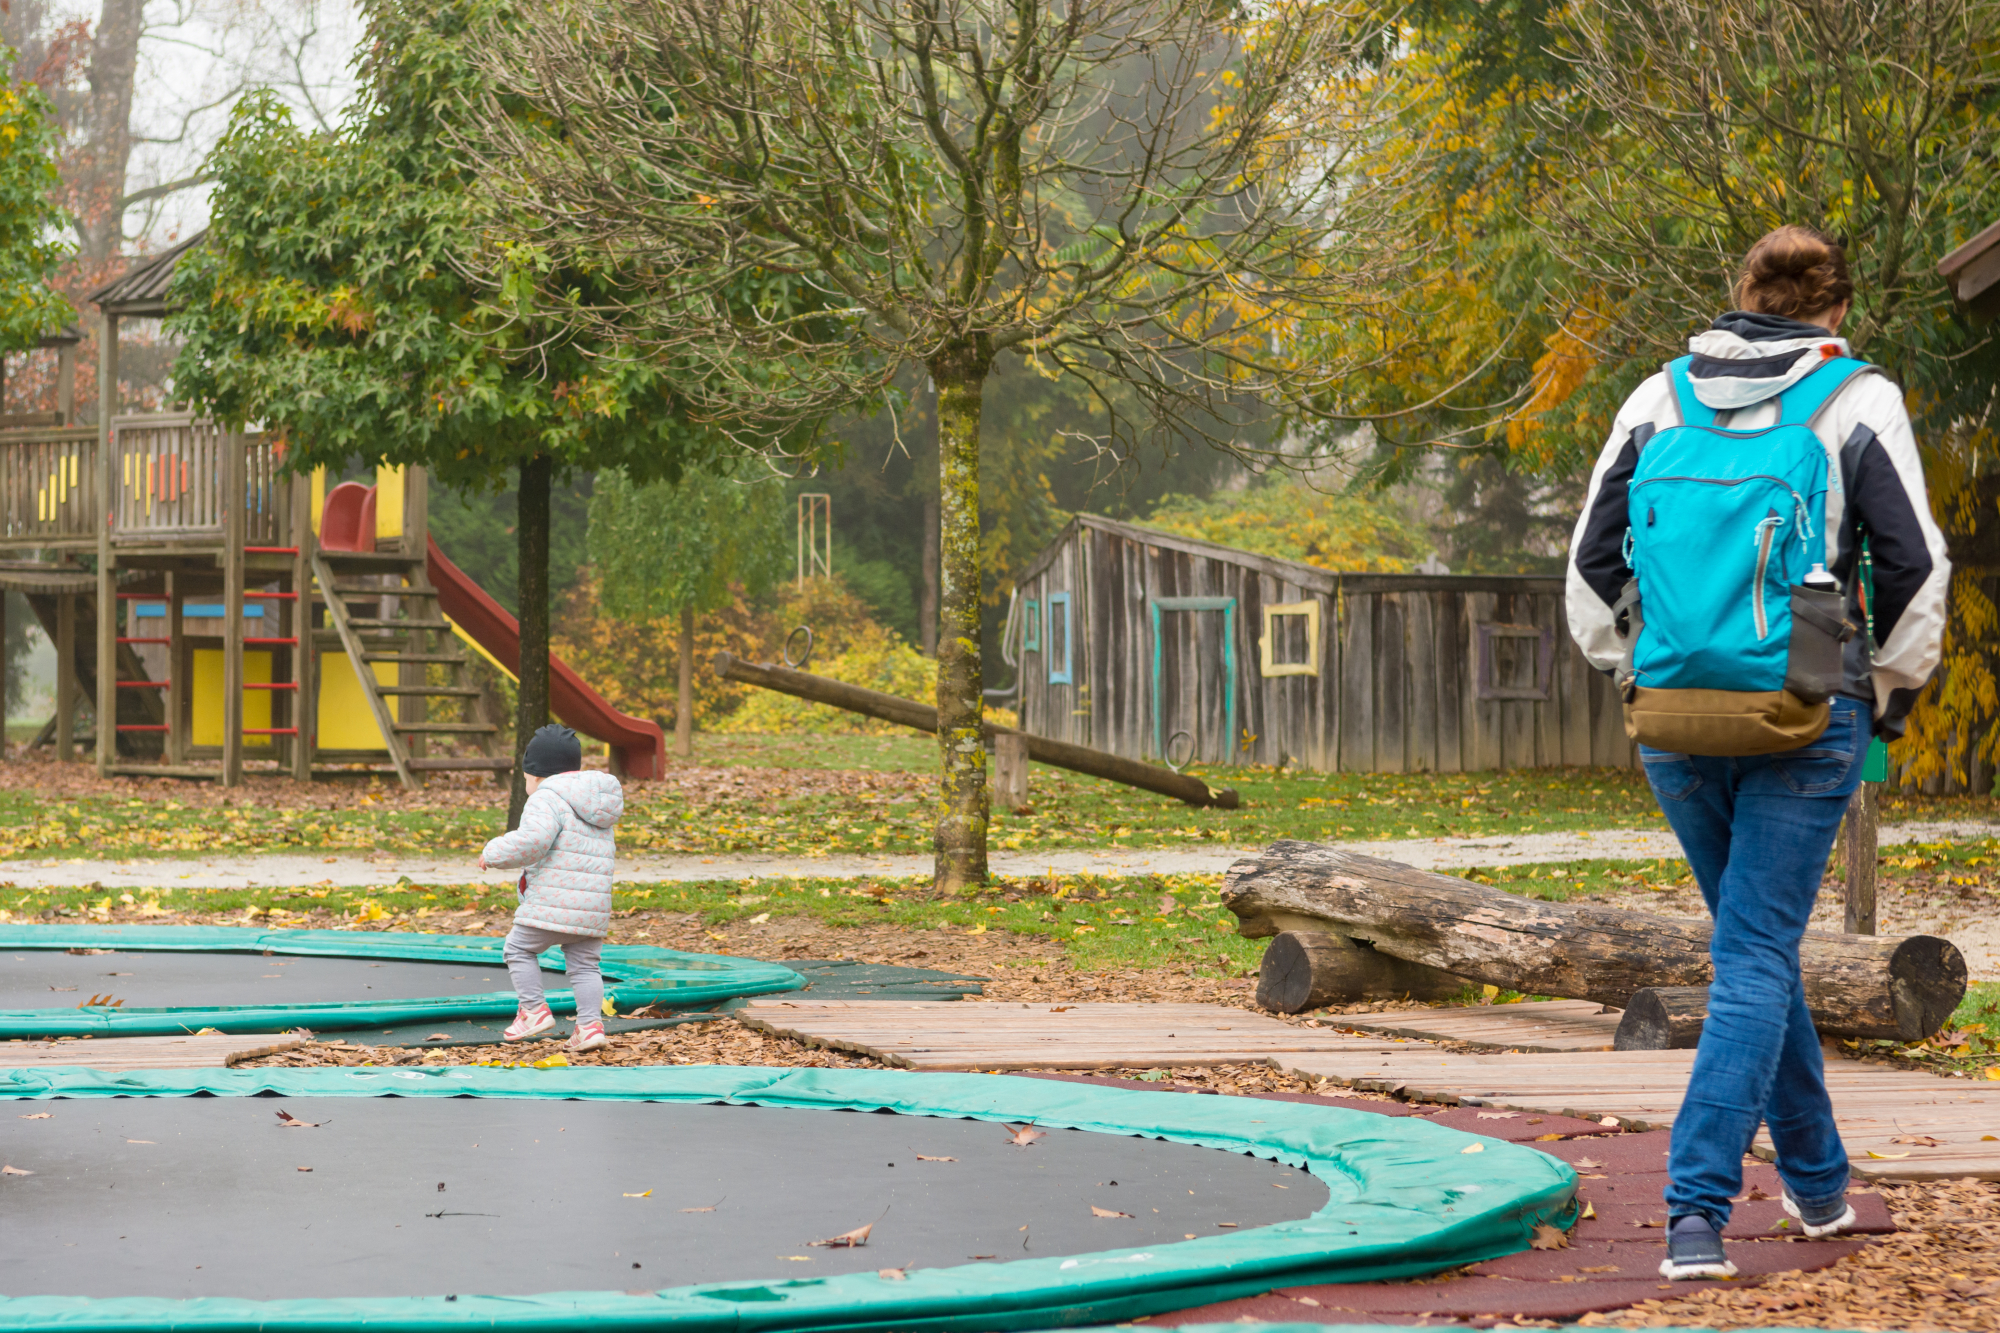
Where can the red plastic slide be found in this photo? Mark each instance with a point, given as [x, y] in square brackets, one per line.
[639, 747]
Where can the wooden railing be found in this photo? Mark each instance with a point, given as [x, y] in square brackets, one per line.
[170, 478]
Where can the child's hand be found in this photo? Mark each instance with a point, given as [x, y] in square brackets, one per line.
[482, 861]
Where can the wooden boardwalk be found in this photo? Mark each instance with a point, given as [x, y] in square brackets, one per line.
[1546, 1025]
[121, 1053]
[997, 1036]
[1897, 1125]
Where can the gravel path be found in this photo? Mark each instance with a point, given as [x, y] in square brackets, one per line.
[237, 872]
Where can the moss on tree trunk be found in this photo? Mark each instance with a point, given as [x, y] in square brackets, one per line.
[959, 371]
[532, 532]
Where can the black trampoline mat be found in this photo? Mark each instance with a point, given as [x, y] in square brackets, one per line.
[53, 979]
[211, 1202]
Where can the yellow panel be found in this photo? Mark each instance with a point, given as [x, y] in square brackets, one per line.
[206, 724]
[346, 722]
[319, 496]
[388, 502]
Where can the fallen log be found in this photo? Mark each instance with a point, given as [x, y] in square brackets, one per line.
[1663, 1018]
[1305, 969]
[923, 717]
[1855, 985]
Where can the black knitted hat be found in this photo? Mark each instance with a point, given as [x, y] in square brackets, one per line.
[551, 750]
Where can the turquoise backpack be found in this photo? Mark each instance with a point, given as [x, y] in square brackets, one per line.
[1732, 627]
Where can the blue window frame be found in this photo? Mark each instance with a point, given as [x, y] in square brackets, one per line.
[1058, 639]
[1031, 626]
[1226, 605]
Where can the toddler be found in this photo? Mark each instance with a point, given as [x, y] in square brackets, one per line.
[565, 844]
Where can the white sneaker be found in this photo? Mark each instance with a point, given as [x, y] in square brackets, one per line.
[1825, 1222]
[587, 1037]
[529, 1023]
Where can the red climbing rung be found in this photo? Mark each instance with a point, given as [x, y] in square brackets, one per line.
[270, 550]
[162, 639]
[270, 731]
[290, 641]
[142, 726]
[279, 596]
[144, 685]
[275, 685]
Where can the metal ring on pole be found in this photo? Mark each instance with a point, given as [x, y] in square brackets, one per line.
[1186, 755]
[804, 657]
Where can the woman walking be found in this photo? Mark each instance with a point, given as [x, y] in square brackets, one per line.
[1718, 572]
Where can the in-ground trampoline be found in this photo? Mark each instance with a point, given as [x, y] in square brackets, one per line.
[165, 980]
[443, 1197]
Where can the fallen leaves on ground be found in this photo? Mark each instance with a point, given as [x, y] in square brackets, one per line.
[14, 1171]
[922, 1158]
[1546, 1237]
[286, 1120]
[647, 1194]
[39, 1115]
[1025, 1135]
[848, 1240]
[1095, 1211]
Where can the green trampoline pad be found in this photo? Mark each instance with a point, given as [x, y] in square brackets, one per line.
[634, 975]
[1405, 1198]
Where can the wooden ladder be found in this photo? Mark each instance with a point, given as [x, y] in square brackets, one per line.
[416, 634]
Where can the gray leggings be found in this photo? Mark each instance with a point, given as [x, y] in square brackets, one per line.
[523, 954]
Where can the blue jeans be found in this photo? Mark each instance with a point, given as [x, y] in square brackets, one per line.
[1757, 831]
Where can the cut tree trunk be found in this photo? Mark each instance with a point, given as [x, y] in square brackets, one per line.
[1856, 986]
[1663, 1018]
[1306, 969]
[923, 717]
[1010, 770]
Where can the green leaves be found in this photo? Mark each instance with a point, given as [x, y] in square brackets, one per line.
[29, 219]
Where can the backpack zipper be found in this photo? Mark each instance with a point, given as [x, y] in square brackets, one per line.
[1767, 532]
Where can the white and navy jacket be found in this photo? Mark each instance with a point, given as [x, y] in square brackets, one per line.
[1875, 486]
[565, 841]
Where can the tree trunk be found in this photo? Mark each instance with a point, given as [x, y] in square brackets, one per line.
[1306, 969]
[684, 702]
[1663, 1018]
[1856, 986]
[959, 371]
[532, 533]
[927, 607]
[1859, 837]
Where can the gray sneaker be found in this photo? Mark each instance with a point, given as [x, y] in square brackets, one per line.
[1694, 1250]
[1824, 1220]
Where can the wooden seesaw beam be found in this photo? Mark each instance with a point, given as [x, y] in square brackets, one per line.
[923, 717]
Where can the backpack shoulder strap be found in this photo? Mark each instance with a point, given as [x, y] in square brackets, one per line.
[1801, 404]
[1693, 412]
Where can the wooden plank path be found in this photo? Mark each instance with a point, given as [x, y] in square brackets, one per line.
[994, 1036]
[120, 1053]
[1543, 1025]
[1873, 1104]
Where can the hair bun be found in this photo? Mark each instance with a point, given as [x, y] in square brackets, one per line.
[1796, 272]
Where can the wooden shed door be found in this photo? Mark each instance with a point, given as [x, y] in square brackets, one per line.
[1194, 678]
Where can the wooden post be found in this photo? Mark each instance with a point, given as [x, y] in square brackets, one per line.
[107, 578]
[305, 699]
[1010, 771]
[1858, 838]
[684, 696]
[66, 382]
[66, 682]
[235, 510]
[180, 710]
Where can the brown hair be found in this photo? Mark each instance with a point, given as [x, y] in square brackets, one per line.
[1795, 272]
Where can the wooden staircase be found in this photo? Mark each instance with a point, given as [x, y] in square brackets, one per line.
[382, 608]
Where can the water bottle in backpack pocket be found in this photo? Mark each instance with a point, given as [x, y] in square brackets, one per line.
[1732, 626]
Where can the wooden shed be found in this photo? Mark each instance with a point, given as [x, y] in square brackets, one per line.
[1159, 647]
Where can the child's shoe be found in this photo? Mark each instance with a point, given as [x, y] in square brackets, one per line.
[530, 1023]
[588, 1036]
[1694, 1250]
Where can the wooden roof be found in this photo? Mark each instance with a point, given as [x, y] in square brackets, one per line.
[1294, 572]
[1973, 270]
[143, 289]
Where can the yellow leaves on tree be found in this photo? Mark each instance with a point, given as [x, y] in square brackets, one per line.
[1290, 521]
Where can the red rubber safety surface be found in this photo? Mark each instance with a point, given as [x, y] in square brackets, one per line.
[1623, 1179]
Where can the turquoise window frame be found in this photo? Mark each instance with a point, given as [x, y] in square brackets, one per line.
[1060, 674]
[1226, 605]
[1031, 626]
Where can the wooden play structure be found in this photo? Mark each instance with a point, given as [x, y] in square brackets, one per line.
[231, 611]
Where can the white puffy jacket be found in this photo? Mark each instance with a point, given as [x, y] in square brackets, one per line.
[566, 845]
